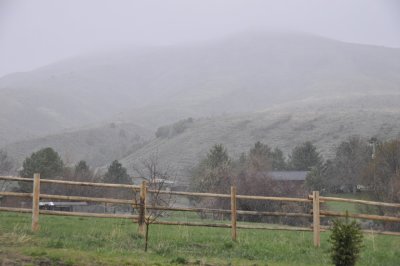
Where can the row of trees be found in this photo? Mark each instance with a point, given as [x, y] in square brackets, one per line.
[360, 164]
[49, 164]
[218, 170]
[251, 175]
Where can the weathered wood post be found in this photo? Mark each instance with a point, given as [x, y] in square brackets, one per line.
[142, 209]
[233, 213]
[35, 202]
[316, 219]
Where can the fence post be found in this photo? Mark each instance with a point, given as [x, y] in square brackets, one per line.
[316, 219]
[35, 202]
[233, 213]
[142, 209]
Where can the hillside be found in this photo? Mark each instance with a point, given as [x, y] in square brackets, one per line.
[159, 85]
[98, 145]
[325, 122]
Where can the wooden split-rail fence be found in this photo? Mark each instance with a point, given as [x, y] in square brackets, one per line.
[315, 200]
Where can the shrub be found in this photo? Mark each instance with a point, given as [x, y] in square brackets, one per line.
[346, 240]
[175, 129]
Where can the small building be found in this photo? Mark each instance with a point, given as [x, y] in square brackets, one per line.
[290, 183]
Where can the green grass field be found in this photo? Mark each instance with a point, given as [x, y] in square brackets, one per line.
[95, 241]
[350, 207]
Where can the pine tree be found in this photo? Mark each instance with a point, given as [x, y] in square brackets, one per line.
[346, 240]
[117, 174]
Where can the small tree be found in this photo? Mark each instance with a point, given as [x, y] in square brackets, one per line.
[156, 177]
[346, 239]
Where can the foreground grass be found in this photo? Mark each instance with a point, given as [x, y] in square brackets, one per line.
[90, 241]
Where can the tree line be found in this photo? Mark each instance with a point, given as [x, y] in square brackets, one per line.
[358, 164]
[49, 164]
[361, 164]
[250, 173]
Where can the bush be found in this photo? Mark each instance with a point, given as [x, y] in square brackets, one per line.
[173, 130]
[346, 240]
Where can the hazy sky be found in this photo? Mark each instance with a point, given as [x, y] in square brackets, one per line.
[35, 33]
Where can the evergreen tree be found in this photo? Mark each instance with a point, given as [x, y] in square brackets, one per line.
[212, 174]
[217, 156]
[46, 162]
[304, 157]
[278, 160]
[346, 240]
[81, 167]
[117, 174]
[260, 157]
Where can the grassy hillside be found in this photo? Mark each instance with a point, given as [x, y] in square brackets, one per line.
[98, 146]
[159, 85]
[325, 122]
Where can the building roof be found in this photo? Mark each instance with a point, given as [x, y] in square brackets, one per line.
[288, 175]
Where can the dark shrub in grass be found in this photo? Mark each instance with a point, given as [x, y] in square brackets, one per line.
[346, 240]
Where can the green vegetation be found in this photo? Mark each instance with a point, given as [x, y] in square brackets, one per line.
[304, 157]
[46, 161]
[347, 206]
[346, 240]
[212, 174]
[177, 128]
[90, 241]
[116, 173]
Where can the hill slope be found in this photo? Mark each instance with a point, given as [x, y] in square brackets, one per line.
[325, 122]
[98, 146]
[159, 85]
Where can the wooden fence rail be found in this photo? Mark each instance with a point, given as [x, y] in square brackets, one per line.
[132, 203]
[315, 199]
[64, 182]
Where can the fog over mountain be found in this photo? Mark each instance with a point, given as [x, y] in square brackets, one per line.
[260, 74]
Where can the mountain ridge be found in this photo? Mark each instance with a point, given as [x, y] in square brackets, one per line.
[241, 74]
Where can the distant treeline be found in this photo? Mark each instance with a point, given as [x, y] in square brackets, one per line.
[359, 164]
